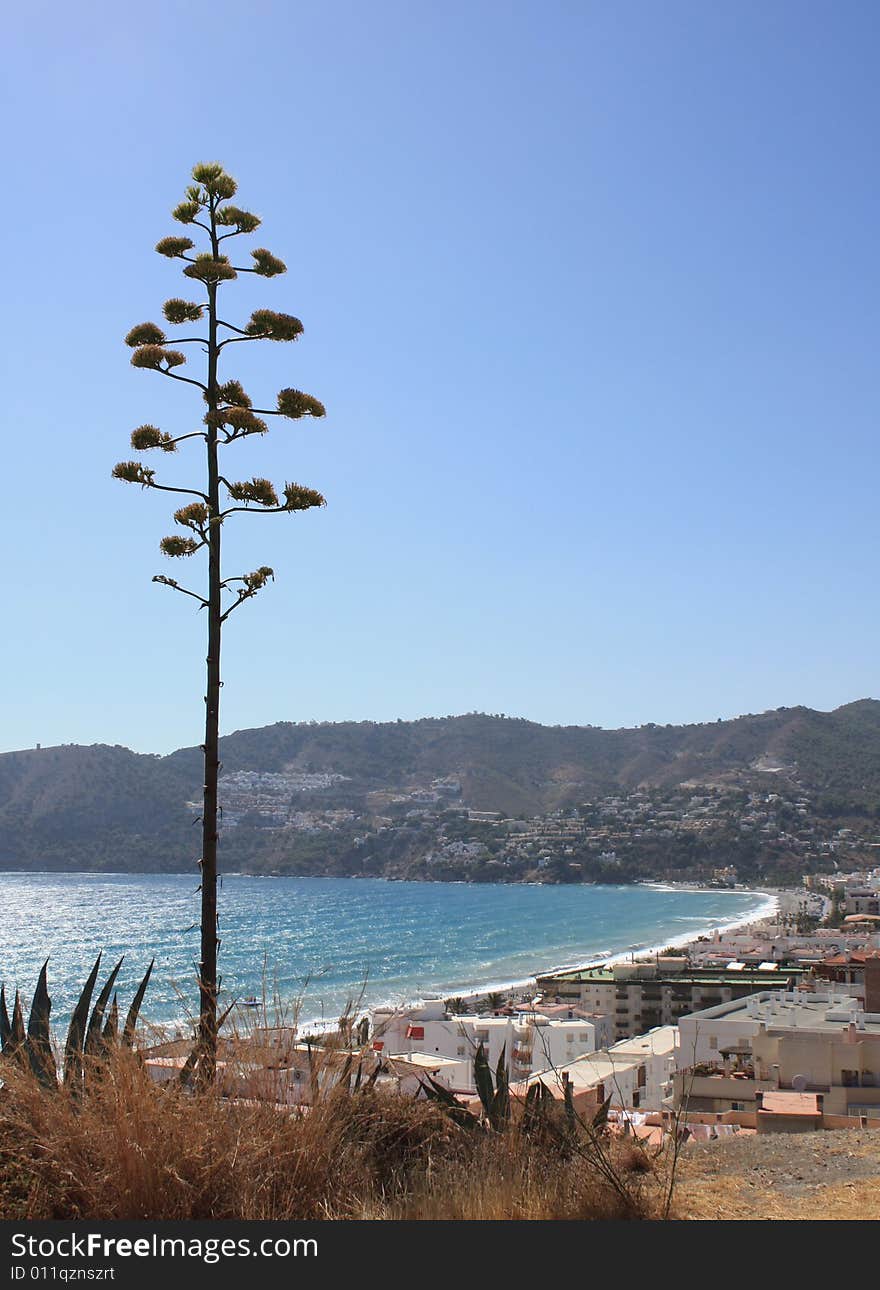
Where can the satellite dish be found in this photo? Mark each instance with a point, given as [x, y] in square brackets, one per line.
[799, 1083]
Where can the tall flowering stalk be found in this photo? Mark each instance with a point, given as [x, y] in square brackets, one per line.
[230, 417]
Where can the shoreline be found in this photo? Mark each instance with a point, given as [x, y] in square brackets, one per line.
[513, 990]
[520, 985]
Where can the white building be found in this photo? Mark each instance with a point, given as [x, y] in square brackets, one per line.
[635, 1074]
[528, 1040]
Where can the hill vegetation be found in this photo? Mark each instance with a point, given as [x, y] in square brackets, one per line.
[106, 808]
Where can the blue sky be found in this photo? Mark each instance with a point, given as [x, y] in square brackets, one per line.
[589, 292]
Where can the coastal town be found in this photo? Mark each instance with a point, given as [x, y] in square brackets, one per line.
[773, 1026]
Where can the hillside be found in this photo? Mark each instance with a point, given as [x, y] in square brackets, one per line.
[105, 807]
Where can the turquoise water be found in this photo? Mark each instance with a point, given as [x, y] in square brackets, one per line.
[328, 940]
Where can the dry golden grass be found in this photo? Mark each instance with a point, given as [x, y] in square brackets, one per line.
[130, 1149]
[825, 1175]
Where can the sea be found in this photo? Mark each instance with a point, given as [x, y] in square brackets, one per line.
[308, 949]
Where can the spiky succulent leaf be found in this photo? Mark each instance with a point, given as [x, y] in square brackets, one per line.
[110, 1032]
[5, 1025]
[73, 1048]
[145, 334]
[450, 1104]
[500, 1112]
[39, 1043]
[17, 1035]
[131, 1020]
[266, 264]
[174, 246]
[294, 404]
[93, 1034]
[182, 311]
[483, 1079]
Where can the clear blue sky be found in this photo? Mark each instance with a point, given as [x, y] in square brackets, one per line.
[590, 292]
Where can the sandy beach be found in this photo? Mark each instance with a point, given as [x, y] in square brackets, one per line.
[778, 903]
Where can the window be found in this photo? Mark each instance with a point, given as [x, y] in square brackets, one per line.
[584, 1037]
[461, 1050]
[849, 1079]
[713, 1041]
[737, 1106]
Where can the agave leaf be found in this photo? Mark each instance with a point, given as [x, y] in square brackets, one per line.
[5, 1027]
[17, 1035]
[111, 1025]
[458, 1113]
[93, 1034]
[438, 1092]
[74, 1047]
[39, 1044]
[483, 1079]
[134, 1010]
[500, 1110]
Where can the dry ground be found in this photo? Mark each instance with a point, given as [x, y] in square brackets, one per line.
[828, 1175]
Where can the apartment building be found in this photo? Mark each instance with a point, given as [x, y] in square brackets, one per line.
[824, 1044]
[641, 996]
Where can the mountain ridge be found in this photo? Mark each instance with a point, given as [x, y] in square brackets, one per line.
[76, 805]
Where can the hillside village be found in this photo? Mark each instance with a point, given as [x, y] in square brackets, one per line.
[709, 833]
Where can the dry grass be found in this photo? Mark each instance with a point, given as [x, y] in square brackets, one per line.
[131, 1149]
[826, 1175]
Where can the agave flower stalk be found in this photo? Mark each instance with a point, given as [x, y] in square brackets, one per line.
[228, 417]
